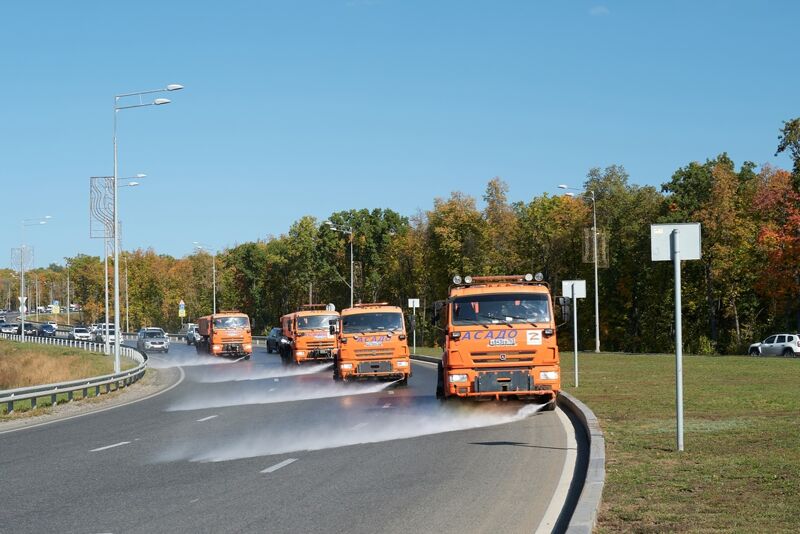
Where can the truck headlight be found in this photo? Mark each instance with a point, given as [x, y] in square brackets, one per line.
[458, 378]
[300, 352]
[347, 366]
[402, 363]
[216, 348]
[248, 346]
[548, 375]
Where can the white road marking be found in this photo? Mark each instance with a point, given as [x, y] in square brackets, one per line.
[387, 405]
[279, 465]
[210, 417]
[560, 495]
[359, 425]
[391, 392]
[110, 446]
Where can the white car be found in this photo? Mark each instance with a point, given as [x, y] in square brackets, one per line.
[80, 334]
[777, 345]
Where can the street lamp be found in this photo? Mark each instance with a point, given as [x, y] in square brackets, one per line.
[348, 231]
[117, 108]
[23, 258]
[594, 254]
[213, 252]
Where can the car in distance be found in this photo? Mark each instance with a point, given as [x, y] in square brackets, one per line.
[100, 336]
[79, 334]
[46, 330]
[152, 339]
[192, 335]
[30, 329]
[777, 345]
[9, 328]
[274, 339]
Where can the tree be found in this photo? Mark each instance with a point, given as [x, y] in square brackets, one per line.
[789, 139]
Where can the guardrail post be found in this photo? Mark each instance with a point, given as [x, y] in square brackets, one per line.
[10, 407]
[69, 396]
[33, 403]
[85, 393]
[53, 400]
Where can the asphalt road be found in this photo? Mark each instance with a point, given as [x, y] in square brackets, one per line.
[239, 447]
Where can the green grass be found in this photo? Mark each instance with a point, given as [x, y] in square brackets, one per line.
[28, 364]
[429, 351]
[740, 470]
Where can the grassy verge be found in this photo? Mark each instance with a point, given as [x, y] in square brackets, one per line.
[429, 351]
[23, 365]
[740, 471]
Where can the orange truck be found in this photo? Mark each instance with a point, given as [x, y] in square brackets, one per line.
[499, 340]
[225, 333]
[307, 334]
[372, 344]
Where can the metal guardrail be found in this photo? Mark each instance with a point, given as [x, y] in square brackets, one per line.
[118, 380]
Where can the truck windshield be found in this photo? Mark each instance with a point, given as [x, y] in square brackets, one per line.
[315, 322]
[372, 322]
[531, 308]
[231, 322]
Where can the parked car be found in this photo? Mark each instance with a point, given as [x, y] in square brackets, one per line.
[46, 330]
[80, 334]
[100, 335]
[777, 345]
[152, 339]
[274, 339]
[9, 328]
[192, 335]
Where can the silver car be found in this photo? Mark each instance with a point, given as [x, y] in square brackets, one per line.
[80, 334]
[777, 345]
[152, 339]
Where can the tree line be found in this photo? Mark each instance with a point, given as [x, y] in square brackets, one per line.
[746, 285]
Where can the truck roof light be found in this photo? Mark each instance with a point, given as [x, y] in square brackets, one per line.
[467, 279]
[539, 277]
[456, 279]
[528, 277]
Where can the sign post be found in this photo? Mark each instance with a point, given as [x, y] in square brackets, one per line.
[414, 304]
[676, 242]
[574, 289]
[22, 310]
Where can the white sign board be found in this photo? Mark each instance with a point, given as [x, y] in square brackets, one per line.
[568, 286]
[413, 303]
[661, 241]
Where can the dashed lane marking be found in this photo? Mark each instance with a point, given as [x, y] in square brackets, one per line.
[279, 465]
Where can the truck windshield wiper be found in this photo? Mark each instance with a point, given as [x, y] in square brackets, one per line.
[472, 321]
[523, 319]
[496, 318]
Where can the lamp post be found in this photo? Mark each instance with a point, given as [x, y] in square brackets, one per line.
[117, 108]
[23, 258]
[348, 231]
[594, 254]
[213, 252]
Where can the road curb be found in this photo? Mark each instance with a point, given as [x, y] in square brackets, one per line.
[584, 517]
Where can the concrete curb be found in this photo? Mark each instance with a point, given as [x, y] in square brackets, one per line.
[584, 517]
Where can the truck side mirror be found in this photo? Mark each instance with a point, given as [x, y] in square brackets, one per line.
[332, 329]
[565, 305]
[437, 310]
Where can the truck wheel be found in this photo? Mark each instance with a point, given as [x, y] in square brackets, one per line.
[403, 382]
[550, 406]
[247, 357]
[440, 382]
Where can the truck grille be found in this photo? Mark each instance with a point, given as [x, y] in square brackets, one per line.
[374, 367]
[500, 381]
[233, 340]
[503, 356]
[374, 353]
[320, 345]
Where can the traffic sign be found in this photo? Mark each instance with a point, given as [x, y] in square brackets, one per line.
[181, 309]
[56, 308]
[413, 303]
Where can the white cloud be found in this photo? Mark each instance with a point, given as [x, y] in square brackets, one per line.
[599, 11]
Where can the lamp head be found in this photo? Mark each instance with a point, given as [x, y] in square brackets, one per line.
[161, 101]
[563, 186]
[174, 87]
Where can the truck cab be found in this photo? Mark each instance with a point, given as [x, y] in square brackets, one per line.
[499, 340]
[307, 335]
[225, 334]
[372, 344]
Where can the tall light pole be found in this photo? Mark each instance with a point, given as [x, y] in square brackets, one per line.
[23, 253]
[213, 252]
[594, 253]
[348, 231]
[117, 108]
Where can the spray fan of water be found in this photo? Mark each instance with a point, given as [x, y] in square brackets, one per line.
[420, 421]
[262, 395]
[181, 360]
[237, 373]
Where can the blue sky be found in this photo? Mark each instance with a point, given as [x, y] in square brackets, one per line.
[308, 107]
